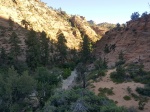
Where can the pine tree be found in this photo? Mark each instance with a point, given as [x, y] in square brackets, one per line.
[85, 50]
[61, 46]
[15, 49]
[33, 50]
[44, 48]
[3, 56]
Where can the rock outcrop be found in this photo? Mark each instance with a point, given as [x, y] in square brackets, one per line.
[36, 15]
[133, 40]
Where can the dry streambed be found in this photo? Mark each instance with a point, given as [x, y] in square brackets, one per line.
[69, 82]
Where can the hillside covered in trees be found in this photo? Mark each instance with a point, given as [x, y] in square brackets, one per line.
[37, 53]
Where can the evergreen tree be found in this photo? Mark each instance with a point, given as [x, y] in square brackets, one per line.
[118, 25]
[3, 56]
[135, 16]
[33, 50]
[18, 88]
[85, 50]
[15, 49]
[44, 48]
[61, 46]
[81, 69]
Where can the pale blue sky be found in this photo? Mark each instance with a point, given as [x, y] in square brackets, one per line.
[113, 11]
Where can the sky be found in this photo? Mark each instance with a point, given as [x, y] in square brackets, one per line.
[112, 11]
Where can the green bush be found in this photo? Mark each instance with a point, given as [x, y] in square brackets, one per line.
[143, 91]
[100, 64]
[106, 48]
[66, 73]
[96, 74]
[129, 89]
[120, 62]
[80, 100]
[119, 75]
[104, 91]
[127, 97]
[136, 97]
[138, 74]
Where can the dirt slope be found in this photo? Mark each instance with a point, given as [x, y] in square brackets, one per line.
[120, 90]
[133, 40]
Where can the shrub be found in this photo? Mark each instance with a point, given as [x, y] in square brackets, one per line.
[141, 105]
[96, 74]
[119, 75]
[126, 97]
[144, 14]
[129, 89]
[66, 73]
[135, 16]
[136, 97]
[138, 74]
[106, 49]
[104, 91]
[131, 109]
[80, 100]
[100, 64]
[121, 59]
[143, 91]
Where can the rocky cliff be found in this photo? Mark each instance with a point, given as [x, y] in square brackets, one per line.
[133, 40]
[36, 15]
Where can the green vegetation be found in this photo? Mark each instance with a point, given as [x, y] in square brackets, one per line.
[33, 50]
[121, 59]
[119, 75]
[15, 89]
[44, 49]
[136, 97]
[129, 90]
[32, 83]
[127, 98]
[96, 74]
[99, 70]
[139, 75]
[81, 69]
[141, 105]
[27, 85]
[62, 48]
[15, 49]
[80, 100]
[107, 49]
[144, 91]
[104, 91]
[135, 16]
[66, 73]
[86, 49]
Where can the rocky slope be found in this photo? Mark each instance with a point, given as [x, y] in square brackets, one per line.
[101, 28]
[36, 15]
[133, 40]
